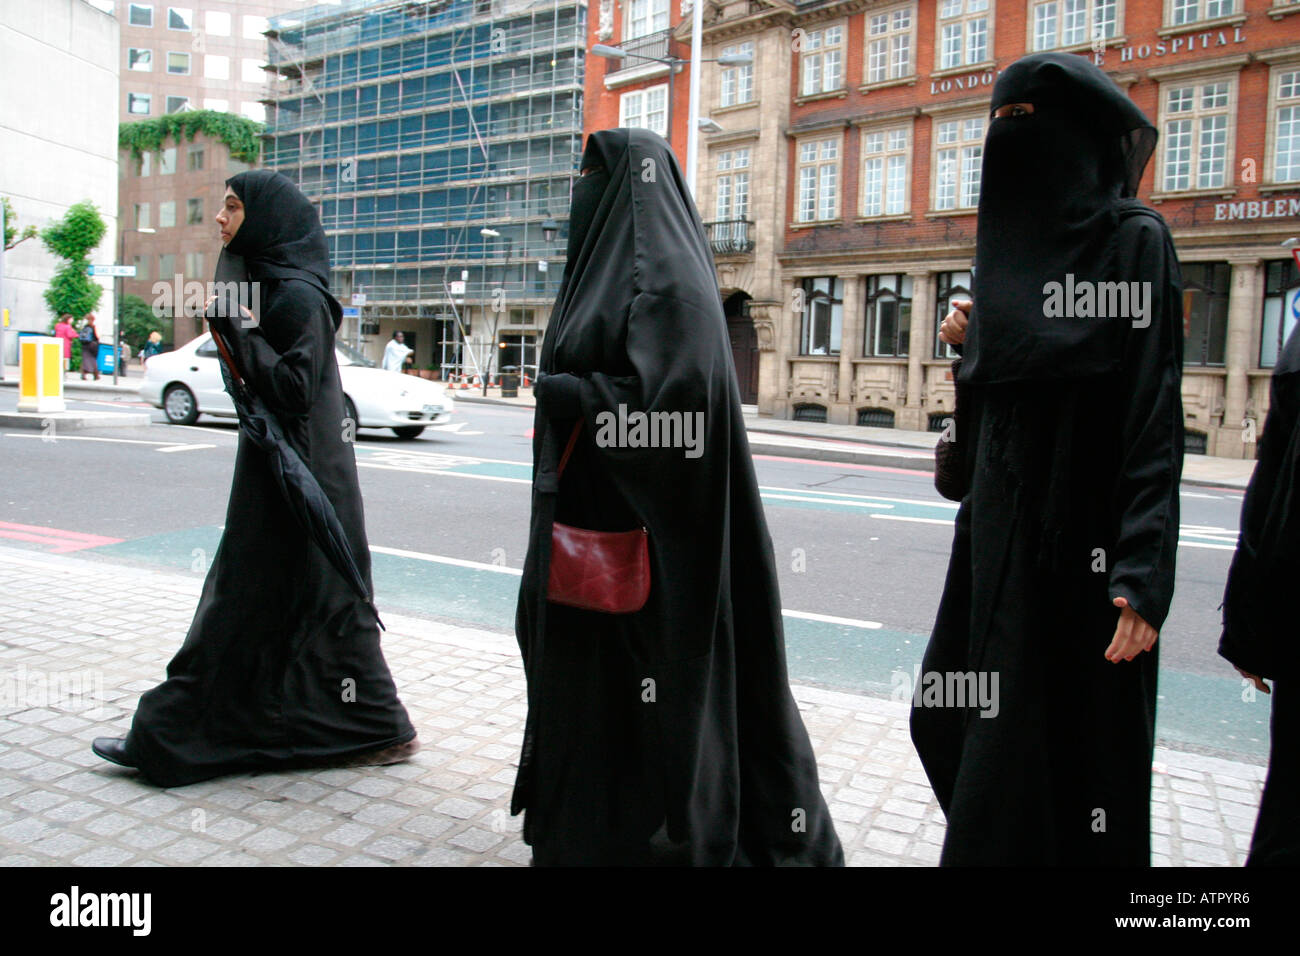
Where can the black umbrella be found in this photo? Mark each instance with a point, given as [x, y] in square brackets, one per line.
[301, 491]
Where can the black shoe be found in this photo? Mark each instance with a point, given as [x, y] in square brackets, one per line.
[113, 749]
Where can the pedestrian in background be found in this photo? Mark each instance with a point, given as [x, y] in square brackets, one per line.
[1070, 430]
[63, 329]
[151, 348]
[1259, 629]
[89, 347]
[661, 727]
[396, 352]
[282, 665]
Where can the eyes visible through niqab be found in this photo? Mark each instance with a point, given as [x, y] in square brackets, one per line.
[1013, 110]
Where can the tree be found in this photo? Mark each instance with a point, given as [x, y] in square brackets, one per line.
[71, 239]
[136, 320]
[13, 235]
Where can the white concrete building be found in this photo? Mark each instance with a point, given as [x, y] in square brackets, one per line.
[58, 123]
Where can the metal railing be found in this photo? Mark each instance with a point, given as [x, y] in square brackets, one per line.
[730, 237]
[651, 45]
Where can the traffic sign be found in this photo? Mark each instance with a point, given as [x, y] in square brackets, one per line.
[126, 272]
[457, 287]
[351, 312]
[358, 298]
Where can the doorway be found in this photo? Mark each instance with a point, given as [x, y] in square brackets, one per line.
[744, 345]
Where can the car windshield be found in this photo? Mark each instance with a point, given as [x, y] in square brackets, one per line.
[352, 357]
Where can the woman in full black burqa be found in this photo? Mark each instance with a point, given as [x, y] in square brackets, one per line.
[1070, 429]
[1259, 628]
[282, 665]
[668, 734]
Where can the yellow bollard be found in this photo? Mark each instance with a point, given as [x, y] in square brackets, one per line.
[40, 374]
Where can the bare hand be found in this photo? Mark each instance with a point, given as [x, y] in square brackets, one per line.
[1132, 634]
[1256, 680]
[953, 327]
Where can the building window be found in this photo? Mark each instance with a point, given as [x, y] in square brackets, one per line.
[142, 215]
[822, 60]
[166, 214]
[144, 164]
[645, 109]
[1179, 12]
[1058, 23]
[193, 264]
[889, 316]
[958, 153]
[1286, 127]
[178, 64]
[1196, 118]
[194, 158]
[733, 185]
[737, 81]
[141, 60]
[884, 171]
[1205, 300]
[1281, 308]
[519, 317]
[194, 212]
[818, 177]
[252, 71]
[166, 266]
[250, 109]
[218, 24]
[167, 161]
[823, 316]
[254, 27]
[141, 264]
[177, 103]
[218, 105]
[889, 44]
[140, 14]
[180, 18]
[948, 286]
[645, 17]
[216, 67]
[963, 33]
[139, 103]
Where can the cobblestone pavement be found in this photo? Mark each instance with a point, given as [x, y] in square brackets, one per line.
[113, 628]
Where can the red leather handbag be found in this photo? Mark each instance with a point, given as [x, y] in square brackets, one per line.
[605, 571]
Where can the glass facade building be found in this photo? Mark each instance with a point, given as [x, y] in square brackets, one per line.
[417, 126]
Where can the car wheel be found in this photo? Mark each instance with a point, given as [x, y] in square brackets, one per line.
[350, 411]
[179, 405]
[408, 431]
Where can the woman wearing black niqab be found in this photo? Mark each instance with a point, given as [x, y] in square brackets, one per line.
[1070, 425]
[1259, 629]
[282, 665]
[668, 734]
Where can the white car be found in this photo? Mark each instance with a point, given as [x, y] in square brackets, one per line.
[187, 383]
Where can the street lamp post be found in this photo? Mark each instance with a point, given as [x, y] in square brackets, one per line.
[489, 233]
[674, 63]
[117, 293]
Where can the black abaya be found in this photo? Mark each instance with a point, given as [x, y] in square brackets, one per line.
[670, 732]
[1072, 438]
[282, 664]
[1259, 630]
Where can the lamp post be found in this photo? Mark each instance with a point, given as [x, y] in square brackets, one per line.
[674, 63]
[489, 233]
[117, 293]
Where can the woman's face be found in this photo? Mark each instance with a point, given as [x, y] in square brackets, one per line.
[231, 216]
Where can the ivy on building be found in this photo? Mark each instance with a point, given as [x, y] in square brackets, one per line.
[241, 135]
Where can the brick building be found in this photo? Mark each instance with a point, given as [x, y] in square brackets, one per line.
[845, 179]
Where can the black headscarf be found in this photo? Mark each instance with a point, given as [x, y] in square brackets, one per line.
[281, 236]
[1055, 185]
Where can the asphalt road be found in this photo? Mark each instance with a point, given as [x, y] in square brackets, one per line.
[862, 550]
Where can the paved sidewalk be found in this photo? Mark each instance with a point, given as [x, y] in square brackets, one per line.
[464, 688]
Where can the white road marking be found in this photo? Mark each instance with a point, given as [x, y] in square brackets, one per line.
[946, 505]
[820, 500]
[58, 438]
[518, 572]
[184, 448]
[443, 474]
[947, 521]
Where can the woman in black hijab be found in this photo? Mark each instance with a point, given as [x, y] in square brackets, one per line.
[668, 734]
[282, 665]
[1070, 426]
[1259, 630]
